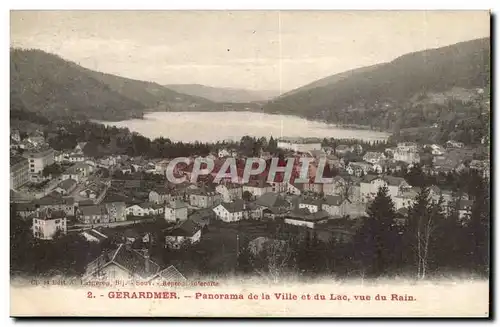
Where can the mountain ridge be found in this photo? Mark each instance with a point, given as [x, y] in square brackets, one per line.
[224, 94]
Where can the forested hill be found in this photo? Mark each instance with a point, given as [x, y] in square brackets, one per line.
[47, 84]
[387, 96]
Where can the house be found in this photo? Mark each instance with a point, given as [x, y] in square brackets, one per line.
[36, 140]
[450, 161]
[454, 144]
[299, 144]
[19, 172]
[390, 152]
[257, 188]
[357, 148]
[331, 204]
[107, 162]
[230, 211]
[374, 157]
[123, 263]
[337, 187]
[481, 166]
[311, 204]
[203, 198]
[66, 186]
[76, 157]
[229, 192]
[77, 172]
[436, 149]
[15, 135]
[333, 161]
[38, 160]
[187, 232]
[176, 211]
[295, 188]
[56, 202]
[406, 198]
[304, 217]
[407, 146]
[79, 147]
[352, 209]
[224, 153]
[24, 210]
[358, 168]
[342, 149]
[169, 275]
[316, 188]
[116, 211]
[328, 150]
[160, 195]
[273, 205]
[407, 152]
[47, 223]
[370, 185]
[465, 210]
[93, 235]
[279, 186]
[92, 191]
[93, 214]
[146, 209]
[407, 156]
[317, 154]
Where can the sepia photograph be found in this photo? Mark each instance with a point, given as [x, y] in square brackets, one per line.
[276, 163]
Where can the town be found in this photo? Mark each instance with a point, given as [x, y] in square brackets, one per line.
[118, 216]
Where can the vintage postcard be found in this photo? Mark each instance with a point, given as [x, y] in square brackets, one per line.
[250, 163]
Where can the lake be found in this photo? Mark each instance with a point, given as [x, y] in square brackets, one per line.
[232, 125]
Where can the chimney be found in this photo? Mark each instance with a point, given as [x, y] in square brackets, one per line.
[147, 262]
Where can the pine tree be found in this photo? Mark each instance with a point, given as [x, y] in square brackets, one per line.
[478, 228]
[376, 238]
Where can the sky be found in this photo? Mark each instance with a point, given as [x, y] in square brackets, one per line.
[257, 50]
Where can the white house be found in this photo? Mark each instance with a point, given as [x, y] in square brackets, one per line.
[145, 209]
[187, 232]
[373, 157]
[160, 195]
[76, 157]
[93, 214]
[298, 144]
[332, 205]
[229, 192]
[230, 211]
[370, 185]
[358, 168]
[337, 187]
[202, 198]
[47, 223]
[454, 144]
[223, 153]
[313, 205]
[176, 211]
[39, 160]
[257, 188]
[295, 188]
